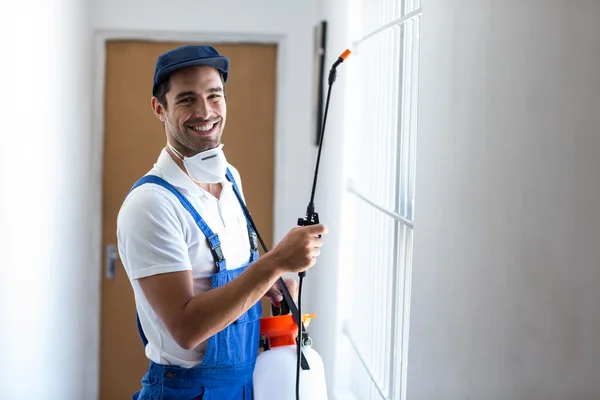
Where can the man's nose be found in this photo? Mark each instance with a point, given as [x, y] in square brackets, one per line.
[203, 110]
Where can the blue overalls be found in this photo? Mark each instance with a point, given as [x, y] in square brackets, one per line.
[225, 372]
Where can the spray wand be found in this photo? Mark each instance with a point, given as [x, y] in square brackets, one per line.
[311, 218]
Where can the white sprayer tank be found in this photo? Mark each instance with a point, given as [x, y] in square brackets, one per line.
[275, 371]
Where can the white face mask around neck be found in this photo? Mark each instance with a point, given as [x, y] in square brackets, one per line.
[209, 166]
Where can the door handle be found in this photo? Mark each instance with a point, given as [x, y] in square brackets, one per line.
[111, 257]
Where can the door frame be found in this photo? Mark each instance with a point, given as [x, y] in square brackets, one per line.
[100, 38]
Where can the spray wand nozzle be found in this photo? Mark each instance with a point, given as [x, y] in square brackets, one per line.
[311, 217]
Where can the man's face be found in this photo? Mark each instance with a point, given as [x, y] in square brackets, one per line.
[195, 110]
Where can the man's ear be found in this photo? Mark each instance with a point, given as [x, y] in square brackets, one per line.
[159, 109]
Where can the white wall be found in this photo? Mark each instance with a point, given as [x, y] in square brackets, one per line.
[45, 310]
[507, 245]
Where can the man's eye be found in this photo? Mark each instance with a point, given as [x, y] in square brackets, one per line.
[187, 100]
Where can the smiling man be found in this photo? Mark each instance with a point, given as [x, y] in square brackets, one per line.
[188, 249]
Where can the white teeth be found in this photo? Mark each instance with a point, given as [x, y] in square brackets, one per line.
[204, 128]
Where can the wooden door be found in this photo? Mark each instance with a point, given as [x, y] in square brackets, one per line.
[133, 139]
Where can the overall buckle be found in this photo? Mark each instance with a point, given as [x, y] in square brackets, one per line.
[215, 248]
[253, 239]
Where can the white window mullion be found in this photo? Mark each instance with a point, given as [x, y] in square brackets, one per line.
[388, 193]
[405, 117]
[414, 114]
[376, 276]
[399, 302]
[380, 264]
[371, 253]
[389, 287]
[389, 117]
[377, 311]
[365, 342]
[368, 139]
[391, 223]
[396, 350]
[403, 325]
[376, 134]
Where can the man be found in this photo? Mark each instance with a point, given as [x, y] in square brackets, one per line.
[189, 250]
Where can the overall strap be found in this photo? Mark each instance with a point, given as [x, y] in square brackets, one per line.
[251, 233]
[213, 240]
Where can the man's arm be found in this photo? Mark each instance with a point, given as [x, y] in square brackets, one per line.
[193, 319]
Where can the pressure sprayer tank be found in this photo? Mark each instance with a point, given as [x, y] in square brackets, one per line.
[275, 372]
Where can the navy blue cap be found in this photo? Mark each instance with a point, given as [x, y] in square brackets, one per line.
[188, 56]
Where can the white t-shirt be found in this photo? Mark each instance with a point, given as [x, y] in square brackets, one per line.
[157, 235]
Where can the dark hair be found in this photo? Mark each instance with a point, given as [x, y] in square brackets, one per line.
[161, 91]
[163, 88]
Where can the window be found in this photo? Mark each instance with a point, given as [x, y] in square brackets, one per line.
[379, 199]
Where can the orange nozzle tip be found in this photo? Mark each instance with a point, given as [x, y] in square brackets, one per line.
[345, 54]
[307, 317]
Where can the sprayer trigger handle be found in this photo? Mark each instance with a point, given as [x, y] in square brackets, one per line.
[307, 222]
[310, 219]
[283, 309]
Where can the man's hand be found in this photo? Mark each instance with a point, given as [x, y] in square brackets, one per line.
[274, 294]
[299, 249]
